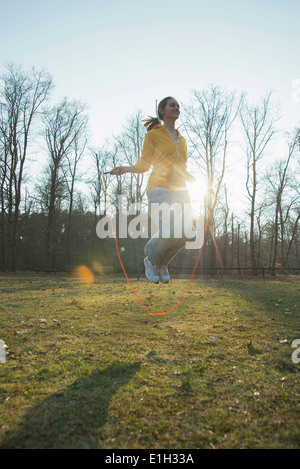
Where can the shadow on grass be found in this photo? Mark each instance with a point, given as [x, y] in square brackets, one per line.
[75, 417]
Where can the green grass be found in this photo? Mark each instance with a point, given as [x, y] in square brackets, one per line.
[100, 372]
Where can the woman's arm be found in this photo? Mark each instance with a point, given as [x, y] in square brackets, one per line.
[143, 164]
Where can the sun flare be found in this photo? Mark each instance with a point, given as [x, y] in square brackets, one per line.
[197, 191]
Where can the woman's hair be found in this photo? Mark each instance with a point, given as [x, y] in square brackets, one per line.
[151, 122]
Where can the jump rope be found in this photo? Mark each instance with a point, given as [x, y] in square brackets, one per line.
[123, 268]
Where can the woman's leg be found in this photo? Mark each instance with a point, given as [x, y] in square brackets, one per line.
[156, 246]
[182, 221]
[161, 249]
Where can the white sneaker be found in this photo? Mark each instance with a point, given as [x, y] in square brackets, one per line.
[164, 274]
[151, 271]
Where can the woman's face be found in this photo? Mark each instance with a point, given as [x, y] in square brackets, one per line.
[171, 111]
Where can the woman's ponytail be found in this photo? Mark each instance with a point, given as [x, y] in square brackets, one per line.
[150, 122]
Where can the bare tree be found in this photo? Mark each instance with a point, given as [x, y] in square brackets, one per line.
[23, 94]
[70, 170]
[209, 120]
[223, 236]
[258, 123]
[4, 158]
[64, 126]
[103, 159]
[281, 183]
[238, 248]
[129, 146]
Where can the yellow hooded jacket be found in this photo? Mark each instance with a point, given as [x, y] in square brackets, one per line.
[167, 157]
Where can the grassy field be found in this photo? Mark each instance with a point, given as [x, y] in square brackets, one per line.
[88, 367]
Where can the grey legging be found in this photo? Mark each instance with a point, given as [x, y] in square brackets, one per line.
[173, 230]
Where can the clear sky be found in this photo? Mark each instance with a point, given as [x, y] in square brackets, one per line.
[120, 55]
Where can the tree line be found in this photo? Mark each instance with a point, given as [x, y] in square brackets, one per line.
[52, 225]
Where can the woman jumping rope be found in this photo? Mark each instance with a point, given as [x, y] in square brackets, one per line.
[166, 150]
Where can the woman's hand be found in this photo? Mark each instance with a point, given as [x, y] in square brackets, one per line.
[119, 170]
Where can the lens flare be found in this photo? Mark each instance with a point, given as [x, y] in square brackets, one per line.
[98, 268]
[84, 273]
